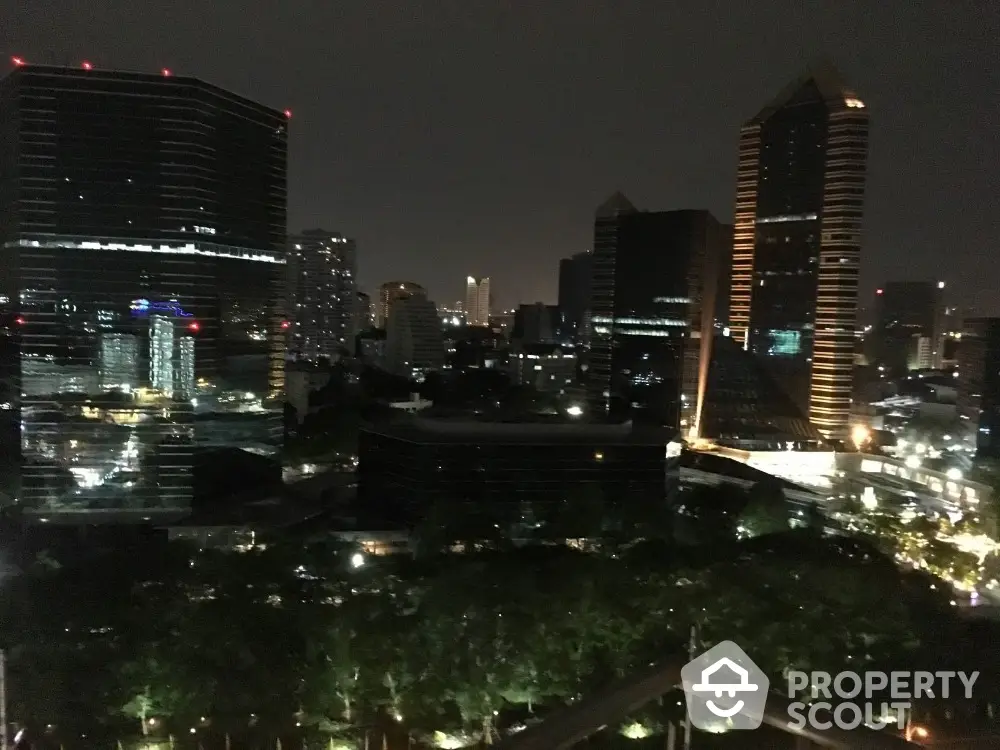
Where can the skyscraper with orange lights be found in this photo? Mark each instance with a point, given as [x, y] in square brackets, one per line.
[797, 241]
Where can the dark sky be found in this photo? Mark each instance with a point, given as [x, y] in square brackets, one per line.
[460, 137]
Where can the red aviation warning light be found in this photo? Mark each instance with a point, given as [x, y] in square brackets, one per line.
[18, 62]
[166, 72]
[285, 324]
[288, 114]
[19, 320]
[194, 326]
[87, 65]
[878, 291]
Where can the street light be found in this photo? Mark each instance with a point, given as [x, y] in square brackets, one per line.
[860, 435]
[357, 560]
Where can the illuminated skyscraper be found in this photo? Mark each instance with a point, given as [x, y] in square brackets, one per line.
[119, 361]
[161, 354]
[477, 301]
[322, 294]
[142, 240]
[797, 241]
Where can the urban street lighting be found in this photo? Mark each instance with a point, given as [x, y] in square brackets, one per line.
[860, 435]
[357, 560]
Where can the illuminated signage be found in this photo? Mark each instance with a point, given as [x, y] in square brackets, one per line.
[145, 307]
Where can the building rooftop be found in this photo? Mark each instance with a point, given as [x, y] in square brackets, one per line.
[465, 430]
[828, 82]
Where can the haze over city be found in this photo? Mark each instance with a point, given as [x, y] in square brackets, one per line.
[453, 138]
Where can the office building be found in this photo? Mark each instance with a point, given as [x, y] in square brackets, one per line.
[409, 466]
[414, 344]
[545, 367]
[979, 384]
[574, 291]
[322, 295]
[541, 324]
[797, 241]
[391, 291]
[908, 333]
[477, 301]
[119, 363]
[364, 313]
[649, 271]
[142, 227]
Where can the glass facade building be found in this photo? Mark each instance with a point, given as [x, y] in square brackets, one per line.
[797, 242]
[142, 222]
[647, 284]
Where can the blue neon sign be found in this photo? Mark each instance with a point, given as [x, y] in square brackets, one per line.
[145, 307]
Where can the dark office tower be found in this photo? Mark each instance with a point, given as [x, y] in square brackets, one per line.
[322, 295]
[797, 241]
[909, 326]
[389, 293]
[646, 302]
[574, 291]
[142, 225]
[540, 324]
[979, 384]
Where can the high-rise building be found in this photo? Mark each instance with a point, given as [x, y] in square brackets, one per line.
[477, 301]
[322, 294]
[649, 271]
[979, 384]
[797, 241]
[541, 324]
[142, 232]
[364, 313]
[391, 291]
[574, 290]
[119, 363]
[414, 342]
[909, 325]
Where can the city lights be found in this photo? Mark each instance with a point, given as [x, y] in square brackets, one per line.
[860, 435]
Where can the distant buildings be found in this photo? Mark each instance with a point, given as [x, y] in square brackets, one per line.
[322, 294]
[391, 291]
[414, 344]
[797, 241]
[477, 301]
[574, 291]
[142, 245]
[647, 282]
[909, 328]
[979, 384]
[364, 313]
[545, 367]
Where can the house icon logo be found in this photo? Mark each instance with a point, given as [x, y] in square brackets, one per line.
[724, 689]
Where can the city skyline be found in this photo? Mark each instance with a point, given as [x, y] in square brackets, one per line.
[386, 158]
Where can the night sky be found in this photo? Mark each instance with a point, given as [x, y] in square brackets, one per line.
[462, 137]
